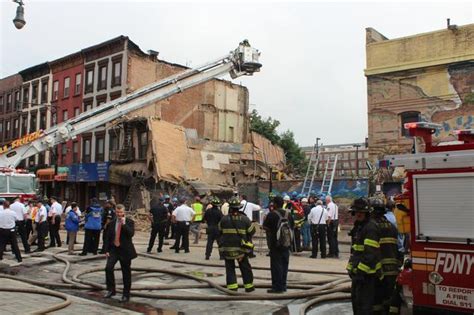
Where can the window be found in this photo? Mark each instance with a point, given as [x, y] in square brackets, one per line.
[54, 119]
[76, 111]
[55, 90]
[26, 97]
[408, 117]
[17, 101]
[117, 75]
[44, 93]
[102, 84]
[101, 101]
[143, 139]
[7, 130]
[75, 152]
[24, 125]
[65, 116]
[86, 149]
[9, 102]
[89, 80]
[66, 87]
[33, 122]
[1, 131]
[16, 128]
[34, 97]
[41, 159]
[1, 104]
[63, 152]
[99, 149]
[87, 106]
[77, 84]
[43, 120]
[113, 141]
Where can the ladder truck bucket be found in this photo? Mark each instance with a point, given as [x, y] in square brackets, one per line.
[245, 59]
[422, 129]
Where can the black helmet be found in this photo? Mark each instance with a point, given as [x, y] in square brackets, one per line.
[377, 204]
[234, 204]
[360, 204]
[215, 201]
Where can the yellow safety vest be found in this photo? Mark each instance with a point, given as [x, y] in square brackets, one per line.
[197, 207]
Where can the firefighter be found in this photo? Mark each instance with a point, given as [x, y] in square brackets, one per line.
[212, 217]
[364, 265]
[236, 229]
[388, 254]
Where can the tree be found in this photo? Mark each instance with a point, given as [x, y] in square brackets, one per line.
[295, 157]
[265, 127]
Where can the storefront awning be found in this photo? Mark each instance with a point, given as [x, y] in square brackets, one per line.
[45, 175]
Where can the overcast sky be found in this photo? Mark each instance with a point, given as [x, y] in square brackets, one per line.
[313, 53]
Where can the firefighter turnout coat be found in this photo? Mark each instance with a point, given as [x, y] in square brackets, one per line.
[236, 230]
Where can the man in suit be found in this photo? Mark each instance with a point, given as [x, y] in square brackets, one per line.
[119, 247]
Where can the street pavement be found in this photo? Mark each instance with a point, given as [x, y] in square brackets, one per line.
[42, 266]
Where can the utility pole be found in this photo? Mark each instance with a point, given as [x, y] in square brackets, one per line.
[357, 159]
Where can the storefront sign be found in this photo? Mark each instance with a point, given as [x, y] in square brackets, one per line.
[22, 141]
[89, 172]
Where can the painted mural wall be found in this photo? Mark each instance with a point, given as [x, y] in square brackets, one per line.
[441, 94]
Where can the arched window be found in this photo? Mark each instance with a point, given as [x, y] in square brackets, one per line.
[407, 117]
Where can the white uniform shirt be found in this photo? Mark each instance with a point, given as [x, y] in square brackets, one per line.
[183, 213]
[7, 219]
[315, 215]
[19, 209]
[333, 211]
[41, 213]
[248, 208]
[56, 208]
[225, 208]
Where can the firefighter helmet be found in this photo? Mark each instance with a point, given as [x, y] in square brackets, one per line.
[377, 204]
[360, 204]
[234, 204]
[215, 201]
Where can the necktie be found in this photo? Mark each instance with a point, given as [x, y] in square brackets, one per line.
[117, 234]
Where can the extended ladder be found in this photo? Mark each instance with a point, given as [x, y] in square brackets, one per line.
[311, 171]
[328, 177]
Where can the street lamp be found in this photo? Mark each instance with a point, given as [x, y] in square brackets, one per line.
[19, 19]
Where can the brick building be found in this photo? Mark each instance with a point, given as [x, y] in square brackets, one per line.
[352, 158]
[424, 77]
[103, 162]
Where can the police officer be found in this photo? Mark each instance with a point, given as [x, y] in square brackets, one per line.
[212, 217]
[389, 257]
[158, 217]
[364, 265]
[236, 229]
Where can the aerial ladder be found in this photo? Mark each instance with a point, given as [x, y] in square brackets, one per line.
[242, 61]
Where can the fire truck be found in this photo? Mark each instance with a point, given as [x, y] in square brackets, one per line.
[438, 198]
[244, 60]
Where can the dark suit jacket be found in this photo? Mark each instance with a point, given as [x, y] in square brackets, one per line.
[126, 248]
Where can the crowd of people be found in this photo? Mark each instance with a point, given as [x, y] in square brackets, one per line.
[292, 223]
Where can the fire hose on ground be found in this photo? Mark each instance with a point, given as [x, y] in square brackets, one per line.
[326, 290]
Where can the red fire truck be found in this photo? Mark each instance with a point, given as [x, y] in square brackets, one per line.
[439, 200]
[17, 182]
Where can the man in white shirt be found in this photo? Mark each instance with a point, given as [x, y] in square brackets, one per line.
[56, 211]
[41, 225]
[21, 214]
[248, 207]
[318, 218]
[8, 218]
[183, 216]
[333, 225]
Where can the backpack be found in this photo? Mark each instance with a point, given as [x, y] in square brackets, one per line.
[284, 235]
